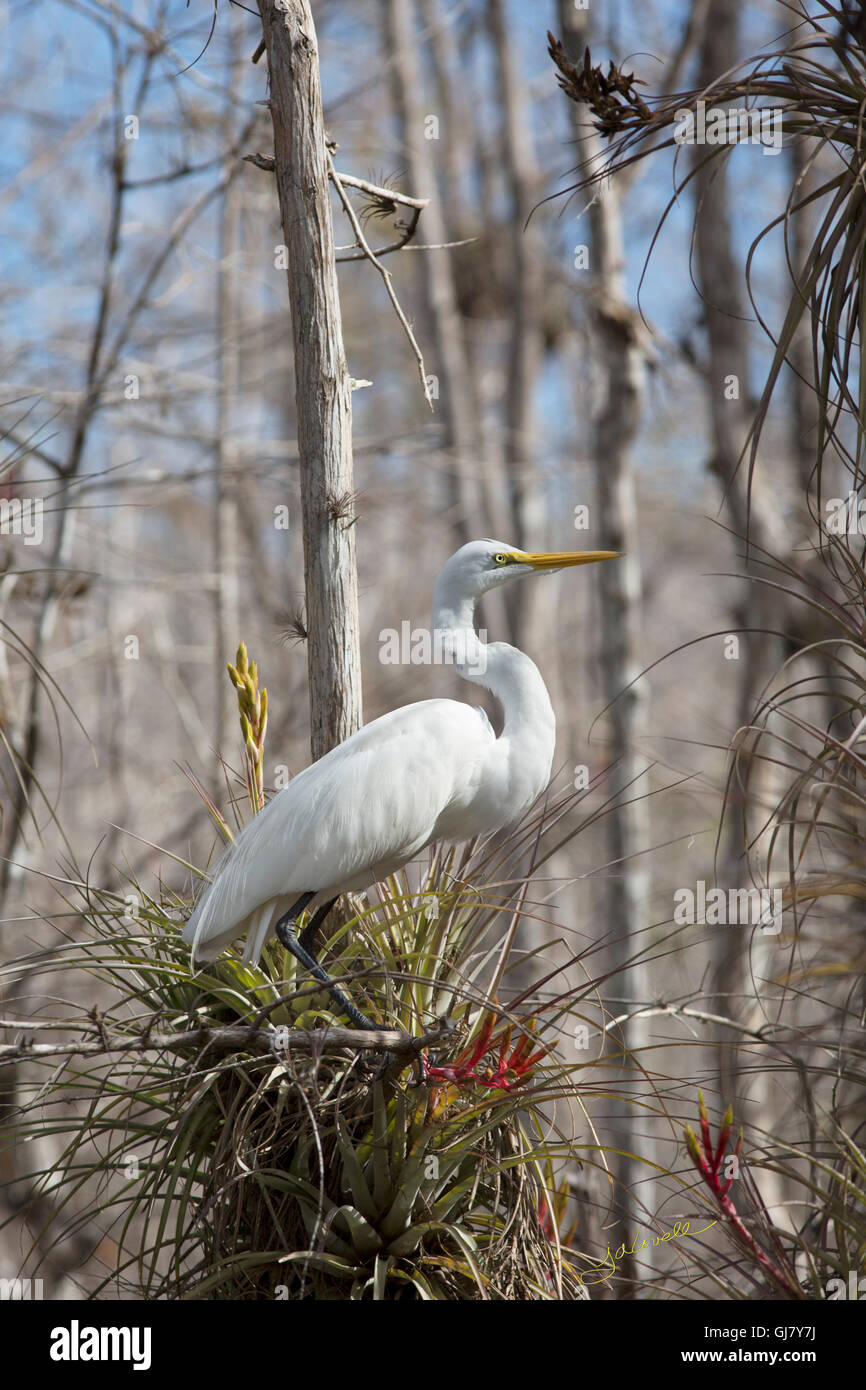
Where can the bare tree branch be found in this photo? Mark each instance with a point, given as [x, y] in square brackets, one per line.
[232, 1038]
[386, 277]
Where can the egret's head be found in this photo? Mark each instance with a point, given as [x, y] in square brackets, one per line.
[482, 565]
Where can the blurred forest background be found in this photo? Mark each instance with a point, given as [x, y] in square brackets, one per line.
[582, 399]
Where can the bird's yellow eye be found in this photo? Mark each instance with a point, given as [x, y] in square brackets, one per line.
[500, 559]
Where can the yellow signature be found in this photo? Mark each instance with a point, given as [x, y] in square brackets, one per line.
[599, 1273]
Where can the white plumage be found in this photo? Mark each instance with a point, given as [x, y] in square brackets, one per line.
[429, 771]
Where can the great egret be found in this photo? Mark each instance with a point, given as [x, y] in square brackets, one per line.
[434, 770]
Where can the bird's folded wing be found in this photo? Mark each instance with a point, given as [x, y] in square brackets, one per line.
[371, 802]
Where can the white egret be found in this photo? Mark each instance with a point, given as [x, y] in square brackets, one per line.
[434, 770]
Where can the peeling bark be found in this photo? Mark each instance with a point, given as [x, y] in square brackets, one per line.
[322, 384]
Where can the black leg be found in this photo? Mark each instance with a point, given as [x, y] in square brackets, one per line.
[287, 934]
[308, 936]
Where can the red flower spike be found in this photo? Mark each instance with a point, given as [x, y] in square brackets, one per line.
[521, 1050]
[482, 1042]
[510, 1072]
[737, 1152]
[709, 1167]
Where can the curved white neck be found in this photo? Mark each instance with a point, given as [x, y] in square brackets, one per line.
[510, 675]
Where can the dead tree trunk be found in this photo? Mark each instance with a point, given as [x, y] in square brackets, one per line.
[226, 593]
[322, 384]
[725, 317]
[742, 967]
[460, 443]
[525, 349]
[621, 362]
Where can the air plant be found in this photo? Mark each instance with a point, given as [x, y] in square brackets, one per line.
[226, 1146]
[809, 721]
[816, 79]
[712, 1162]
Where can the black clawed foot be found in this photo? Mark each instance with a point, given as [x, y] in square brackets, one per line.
[302, 947]
[286, 930]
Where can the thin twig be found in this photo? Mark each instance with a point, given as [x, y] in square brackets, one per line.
[385, 274]
[439, 245]
[374, 190]
[683, 1011]
[267, 162]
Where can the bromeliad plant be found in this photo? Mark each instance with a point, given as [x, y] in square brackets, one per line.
[810, 1258]
[806, 837]
[713, 1163]
[512, 1069]
[815, 80]
[235, 1145]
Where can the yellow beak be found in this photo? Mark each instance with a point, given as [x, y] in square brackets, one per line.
[564, 558]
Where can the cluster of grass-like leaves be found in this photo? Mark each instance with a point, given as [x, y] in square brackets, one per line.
[216, 1158]
[809, 722]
